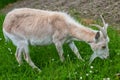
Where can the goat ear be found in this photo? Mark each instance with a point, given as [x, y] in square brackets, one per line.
[97, 35]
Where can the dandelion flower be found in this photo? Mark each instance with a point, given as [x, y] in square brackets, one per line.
[68, 55]
[110, 60]
[9, 49]
[106, 78]
[91, 67]
[75, 73]
[53, 59]
[90, 71]
[87, 74]
[81, 77]
[0, 39]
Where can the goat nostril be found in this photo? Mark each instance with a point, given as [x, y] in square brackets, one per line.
[103, 47]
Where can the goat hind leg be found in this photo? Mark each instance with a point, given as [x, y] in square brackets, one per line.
[28, 59]
[18, 55]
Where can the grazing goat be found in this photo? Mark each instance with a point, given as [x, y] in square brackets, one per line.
[26, 26]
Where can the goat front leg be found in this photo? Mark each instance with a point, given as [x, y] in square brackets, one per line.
[60, 50]
[58, 40]
[75, 50]
[92, 58]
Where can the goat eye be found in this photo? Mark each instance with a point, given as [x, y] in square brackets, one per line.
[103, 47]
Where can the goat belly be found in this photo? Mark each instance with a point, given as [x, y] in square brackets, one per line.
[41, 41]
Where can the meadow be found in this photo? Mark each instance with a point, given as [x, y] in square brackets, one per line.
[47, 59]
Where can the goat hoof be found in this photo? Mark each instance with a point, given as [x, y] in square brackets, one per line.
[37, 70]
[83, 60]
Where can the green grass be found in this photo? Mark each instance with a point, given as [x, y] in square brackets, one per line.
[3, 3]
[47, 59]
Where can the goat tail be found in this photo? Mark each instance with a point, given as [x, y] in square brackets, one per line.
[5, 36]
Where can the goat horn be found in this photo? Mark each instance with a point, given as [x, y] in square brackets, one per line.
[105, 25]
[101, 29]
[103, 20]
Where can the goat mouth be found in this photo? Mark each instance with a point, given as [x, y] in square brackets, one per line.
[103, 57]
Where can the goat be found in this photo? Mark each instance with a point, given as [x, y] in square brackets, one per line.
[26, 26]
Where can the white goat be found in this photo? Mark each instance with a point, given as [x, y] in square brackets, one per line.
[26, 26]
